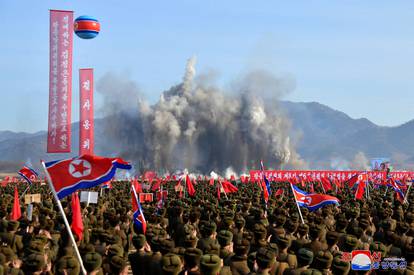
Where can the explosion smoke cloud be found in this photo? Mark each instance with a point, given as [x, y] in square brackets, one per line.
[198, 126]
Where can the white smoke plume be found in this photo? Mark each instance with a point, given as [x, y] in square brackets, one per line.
[230, 172]
[360, 162]
[201, 127]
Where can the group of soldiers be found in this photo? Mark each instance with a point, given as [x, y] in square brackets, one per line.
[239, 233]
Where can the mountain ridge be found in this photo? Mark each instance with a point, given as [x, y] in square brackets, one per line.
[322, 136]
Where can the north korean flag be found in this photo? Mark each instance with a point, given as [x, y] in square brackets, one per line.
[82, 172]
[138, 215]
[28, 174]
[312, 201]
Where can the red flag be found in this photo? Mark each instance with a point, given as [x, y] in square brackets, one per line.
[137, 185]
[360, 190]
[279, 192]
[326, 184]
[77, 223]
[190, 188]
[228, 187]
[351, 182]
[265, 191]
[312, 188]
[5, 181]
[361, 184]
[16, 211]
[157, 185]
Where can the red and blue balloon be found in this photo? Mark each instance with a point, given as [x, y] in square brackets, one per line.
[86, 27]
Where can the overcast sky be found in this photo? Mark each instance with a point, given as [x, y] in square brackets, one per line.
[354, 56]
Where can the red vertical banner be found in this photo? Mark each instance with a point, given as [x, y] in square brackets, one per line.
[60, 82]
[86, 121]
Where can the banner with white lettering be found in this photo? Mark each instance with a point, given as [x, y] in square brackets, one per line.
[86, 121]
[276, 175]
[60, 82]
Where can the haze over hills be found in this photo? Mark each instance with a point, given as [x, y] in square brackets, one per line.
[325, 138]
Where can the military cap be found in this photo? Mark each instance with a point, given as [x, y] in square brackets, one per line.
[139, 241]
[303, 229]
[212, 248]
[282, 242]
[112, 239]
[322, 260]
[311, 271]
[241, 247]
[224, 237]
[92, 261]
[364, 223]
[36, 247]
[171, 264]
[166, 245]
[273, 247]
[259, 231]
[378, 247]
[190, 241]
[340, 267]
[210, 264]
[34, 262]
[240, 221]
[115, 250]
[12, 225]
[192, 256]
[351, 242]
[305, 256]
[209, 228]
[331, 237]
[180, 251]
[8, 253]
[265, 257]
[41, 238]
[117, 264]
[68, 263]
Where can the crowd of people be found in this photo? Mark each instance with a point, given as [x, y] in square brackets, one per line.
[236, 234]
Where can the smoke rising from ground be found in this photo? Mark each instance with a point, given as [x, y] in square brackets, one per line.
[198, 126]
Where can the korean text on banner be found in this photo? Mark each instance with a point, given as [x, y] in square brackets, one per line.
[86, 121]
[60, 82]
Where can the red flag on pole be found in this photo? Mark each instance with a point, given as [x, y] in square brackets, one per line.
[5, 181]
[16, 211]
[77, 223]
[190, 187]
[228, 187]
[86, 119]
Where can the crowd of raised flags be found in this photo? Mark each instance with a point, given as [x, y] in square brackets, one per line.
[66, 177]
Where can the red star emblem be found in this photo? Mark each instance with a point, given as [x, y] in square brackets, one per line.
[80, 167]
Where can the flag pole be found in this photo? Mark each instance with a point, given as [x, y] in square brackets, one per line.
[407, 193]
[297, 205]
[225, 193]
[24, 192]
[64, 219]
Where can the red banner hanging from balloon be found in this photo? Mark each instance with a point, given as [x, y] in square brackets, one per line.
[60, 82]
[86, 120]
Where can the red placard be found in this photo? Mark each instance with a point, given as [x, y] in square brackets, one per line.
[60, 82]
[86, 121]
